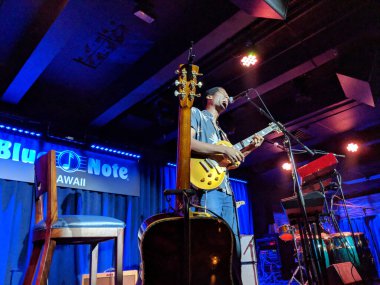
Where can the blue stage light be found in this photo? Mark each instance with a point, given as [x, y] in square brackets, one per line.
[19, 131]
[115, 151]
[238, 180]
[362, 179]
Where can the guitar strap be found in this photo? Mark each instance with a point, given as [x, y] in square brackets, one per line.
[222, 134]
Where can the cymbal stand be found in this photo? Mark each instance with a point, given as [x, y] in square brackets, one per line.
[299, 268]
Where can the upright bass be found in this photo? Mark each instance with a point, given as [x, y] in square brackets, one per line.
[178, 248]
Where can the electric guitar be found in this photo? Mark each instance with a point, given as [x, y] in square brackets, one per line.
[209, 173]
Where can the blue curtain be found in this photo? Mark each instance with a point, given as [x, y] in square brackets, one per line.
[245, 211]
[70, 262]
[370, 227]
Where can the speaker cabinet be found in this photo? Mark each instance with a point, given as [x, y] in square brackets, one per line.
[129, 278]
[342, 274]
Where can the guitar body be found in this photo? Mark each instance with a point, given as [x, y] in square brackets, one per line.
[209, 173]
[162, 250]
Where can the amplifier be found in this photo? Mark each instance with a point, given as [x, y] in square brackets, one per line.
[129, 278]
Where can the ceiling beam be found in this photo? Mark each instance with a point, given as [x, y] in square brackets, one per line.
[208, 43]
[287, 76]
[46, 50]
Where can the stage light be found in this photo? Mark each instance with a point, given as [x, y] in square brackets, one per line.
[144, 10]
[286, 166]
[249, 60]
[144, 16]
[20, 131]
[352, 147]
[115, 151]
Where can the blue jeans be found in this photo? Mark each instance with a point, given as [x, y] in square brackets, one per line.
[222, 205]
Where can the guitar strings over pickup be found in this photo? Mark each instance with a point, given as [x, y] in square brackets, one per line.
[203, 164]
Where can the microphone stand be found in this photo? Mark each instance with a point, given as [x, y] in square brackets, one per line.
[309, 245]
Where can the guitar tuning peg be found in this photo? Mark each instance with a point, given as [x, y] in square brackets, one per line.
[176, 72]
[176, 83]
[197, 95]
[176, 93]
[199, 84]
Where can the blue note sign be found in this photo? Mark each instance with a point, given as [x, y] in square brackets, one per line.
[75, 168]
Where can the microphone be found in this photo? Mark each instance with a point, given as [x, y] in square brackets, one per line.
[240, 95]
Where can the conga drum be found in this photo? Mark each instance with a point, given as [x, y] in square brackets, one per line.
[342, 247]
[322, 250]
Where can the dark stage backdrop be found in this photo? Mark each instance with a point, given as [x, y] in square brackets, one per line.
[70, 262]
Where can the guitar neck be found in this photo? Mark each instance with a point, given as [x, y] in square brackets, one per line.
[244, 143]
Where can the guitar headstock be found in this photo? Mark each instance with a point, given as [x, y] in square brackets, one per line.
[187, 84]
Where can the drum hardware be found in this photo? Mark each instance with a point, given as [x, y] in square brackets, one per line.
[291, 230]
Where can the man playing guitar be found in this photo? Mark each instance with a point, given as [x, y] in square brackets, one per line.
[205, 134]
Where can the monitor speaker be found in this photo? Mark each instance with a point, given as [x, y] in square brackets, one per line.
[343, 273]
[129, 278]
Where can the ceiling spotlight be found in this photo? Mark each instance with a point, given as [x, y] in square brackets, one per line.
[286, 166]
[144, 16]
[249, 60]
[352, 147]
[144, 11]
